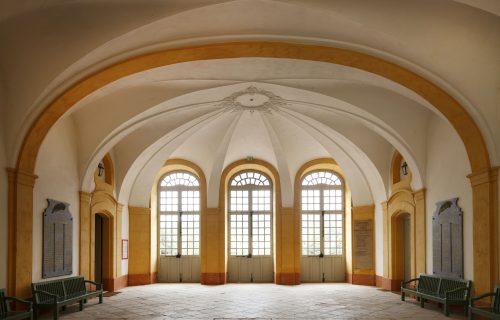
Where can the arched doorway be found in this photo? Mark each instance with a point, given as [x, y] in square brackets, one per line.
[179, 227]
[322, 227]
[103, 250]
[402, 247]
[250, 232]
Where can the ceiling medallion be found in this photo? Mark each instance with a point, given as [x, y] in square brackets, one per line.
[253, 99]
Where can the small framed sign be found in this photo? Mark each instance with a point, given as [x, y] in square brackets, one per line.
[124, 249]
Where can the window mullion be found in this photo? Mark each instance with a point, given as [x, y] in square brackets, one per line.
[250, 222]
[179, 223]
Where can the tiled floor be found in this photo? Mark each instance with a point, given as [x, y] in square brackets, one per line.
[254, 301]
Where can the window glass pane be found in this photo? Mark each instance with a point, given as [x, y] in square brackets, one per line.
[238, 233]
[310, 200]
[190, 201]
[171, 199]
[261, 234]
[190, 225]
[311, 233]
[261, 200]
[333, 227]
[168, 234]
[239, 200]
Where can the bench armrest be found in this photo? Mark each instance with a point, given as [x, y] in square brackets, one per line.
[28, 303]
[454, 291]
[53, 296]
[97, 285]
[484, 295]
[404, 283]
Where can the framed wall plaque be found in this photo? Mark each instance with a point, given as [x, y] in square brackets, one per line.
[57, 240]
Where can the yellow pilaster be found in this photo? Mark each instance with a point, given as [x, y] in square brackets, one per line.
[139, 263]
[485, 228]
[20, 221]
[85, 264]
[118, 233]
[420, 265]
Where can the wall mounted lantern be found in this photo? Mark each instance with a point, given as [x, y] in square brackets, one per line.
[404, 168]
[100, 168]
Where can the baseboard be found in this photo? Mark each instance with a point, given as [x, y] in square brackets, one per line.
[287, 278]
[388, 284]
[361, 279]
[142, 279]
[213, 278]
[115, 284]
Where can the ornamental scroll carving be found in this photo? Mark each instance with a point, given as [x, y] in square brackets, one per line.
[447, 243]
[57, 240]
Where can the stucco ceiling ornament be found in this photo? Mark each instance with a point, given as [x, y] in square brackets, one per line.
[253, 99]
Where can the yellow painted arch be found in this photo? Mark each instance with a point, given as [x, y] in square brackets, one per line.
[447, 105]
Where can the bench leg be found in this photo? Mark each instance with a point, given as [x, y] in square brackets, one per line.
[422, 302]
[466, 309]
[100, 298]
[36, 312]
[402, 296]
[63, 308]
[446, 310]
[81, 304]
[471, 316]
[56, 312]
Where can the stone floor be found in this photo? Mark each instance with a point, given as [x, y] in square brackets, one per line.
[254, 301]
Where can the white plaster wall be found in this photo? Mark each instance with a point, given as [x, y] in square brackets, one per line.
[3, 212]
[57, 172]
[125, 236]
[447, 170]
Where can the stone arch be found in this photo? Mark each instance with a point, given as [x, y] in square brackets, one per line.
[483, 177]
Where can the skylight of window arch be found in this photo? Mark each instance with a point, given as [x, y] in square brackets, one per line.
[180, 179]
[250, 178]
[321, 177]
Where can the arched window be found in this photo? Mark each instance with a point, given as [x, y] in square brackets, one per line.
[179, 214]
[322, 211]
[250, 214]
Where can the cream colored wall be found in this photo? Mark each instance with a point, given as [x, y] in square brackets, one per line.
[124, 236]
[3, 213]
[58, 179]
[447, 168]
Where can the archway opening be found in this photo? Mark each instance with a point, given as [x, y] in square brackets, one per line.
[402, 247]
[250, 228]
[322, 208]
[103, 250]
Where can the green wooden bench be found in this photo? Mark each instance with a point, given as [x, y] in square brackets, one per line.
[60, 293]
[447, 291]
[491, 312]
[8, 314]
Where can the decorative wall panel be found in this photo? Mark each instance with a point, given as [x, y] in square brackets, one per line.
[447, 233]
[363, 244]
[57, 240]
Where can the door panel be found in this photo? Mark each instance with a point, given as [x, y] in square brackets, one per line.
[254, 269]
[183, 269]
[311, 270]
[325, 269]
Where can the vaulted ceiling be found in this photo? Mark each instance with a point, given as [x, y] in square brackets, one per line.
[214, 112]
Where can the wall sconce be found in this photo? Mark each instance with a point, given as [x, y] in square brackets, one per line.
[404, 168]
[100, 169]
